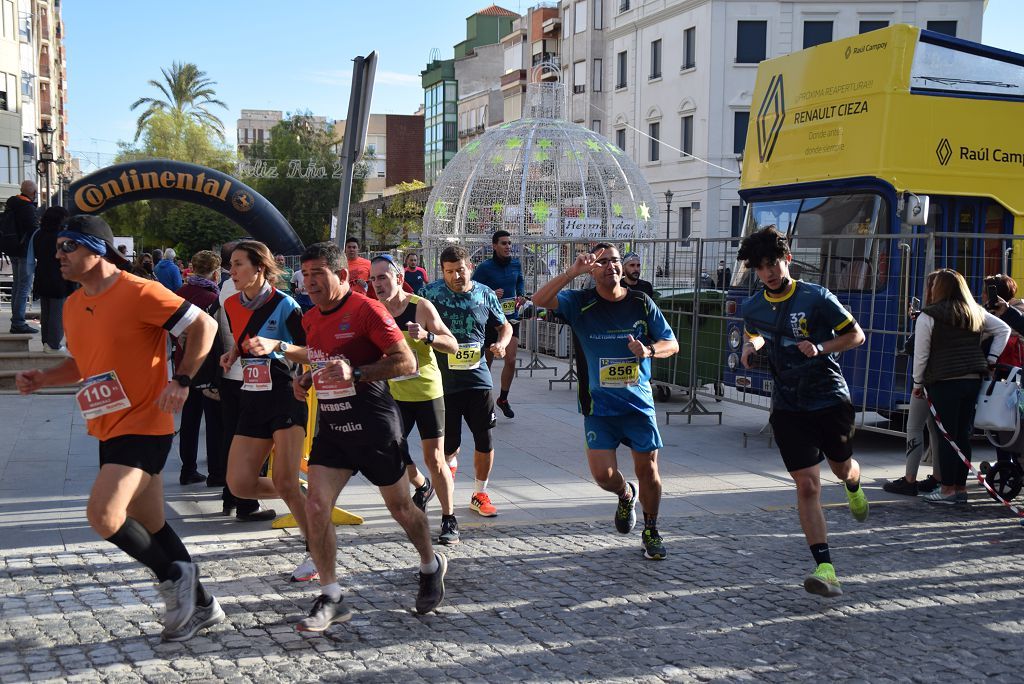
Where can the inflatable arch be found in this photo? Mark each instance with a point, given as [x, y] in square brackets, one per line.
[167, 179]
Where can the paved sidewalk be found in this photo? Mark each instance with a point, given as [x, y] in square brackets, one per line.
[547, 591]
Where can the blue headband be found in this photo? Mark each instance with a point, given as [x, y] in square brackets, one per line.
[92, 243]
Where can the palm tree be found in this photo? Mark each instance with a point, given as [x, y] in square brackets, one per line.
[188, 92]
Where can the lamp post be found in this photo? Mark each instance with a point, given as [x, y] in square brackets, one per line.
[668, 226]
[46, 157]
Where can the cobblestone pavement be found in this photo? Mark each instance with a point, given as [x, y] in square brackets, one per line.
[931, 595]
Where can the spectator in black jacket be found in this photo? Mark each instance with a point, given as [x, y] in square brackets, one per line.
[23, 207]
[49, 286]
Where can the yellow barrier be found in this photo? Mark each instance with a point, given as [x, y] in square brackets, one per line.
[339, 516]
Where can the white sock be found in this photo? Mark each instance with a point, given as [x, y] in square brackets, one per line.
[481, 486]
[332, 590]
[453, 461]
[426, 568]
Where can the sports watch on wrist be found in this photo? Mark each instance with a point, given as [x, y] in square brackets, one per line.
[183, 380]
[430, 337]
[357, 374]
[282, 347]
[820, 347]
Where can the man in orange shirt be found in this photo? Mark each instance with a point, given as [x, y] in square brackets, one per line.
[117, 326]
[358, 267]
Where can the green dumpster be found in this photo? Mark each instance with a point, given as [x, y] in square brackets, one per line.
[677, 305]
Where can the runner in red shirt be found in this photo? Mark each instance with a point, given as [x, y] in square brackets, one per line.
[354, 347]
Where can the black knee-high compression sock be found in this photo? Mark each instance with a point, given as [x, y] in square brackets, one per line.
[137, 542]
[176, 551]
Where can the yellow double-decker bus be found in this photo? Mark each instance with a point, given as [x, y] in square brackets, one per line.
[883, 156]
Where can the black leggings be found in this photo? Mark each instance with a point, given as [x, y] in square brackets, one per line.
[955, 402]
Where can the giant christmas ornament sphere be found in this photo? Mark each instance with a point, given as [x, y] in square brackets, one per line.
[542, 178]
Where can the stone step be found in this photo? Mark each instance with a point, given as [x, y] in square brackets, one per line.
[8, 386]
[12, 342]
[22, 360]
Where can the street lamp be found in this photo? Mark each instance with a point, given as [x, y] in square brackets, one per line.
[45, 157]
[668, 226]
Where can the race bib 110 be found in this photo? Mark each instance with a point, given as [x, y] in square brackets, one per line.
[101, 394]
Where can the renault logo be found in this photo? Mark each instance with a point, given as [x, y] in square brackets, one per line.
[944, 151]
[769, 118]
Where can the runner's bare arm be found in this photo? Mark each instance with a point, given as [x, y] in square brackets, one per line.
[65, 373]
[200, 334]
[428, 320]
[750, 347]
[504, 337]
[398, 360]
[261, 346]
[547, 296]
[849, 338]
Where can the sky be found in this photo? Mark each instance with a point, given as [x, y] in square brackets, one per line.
[289, 55]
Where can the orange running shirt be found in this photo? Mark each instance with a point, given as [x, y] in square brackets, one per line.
[125, 329]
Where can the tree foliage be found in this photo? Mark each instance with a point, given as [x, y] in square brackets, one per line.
[187, 92]
[305, 200]
[401, 217]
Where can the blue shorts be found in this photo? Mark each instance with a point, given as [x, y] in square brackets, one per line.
[638, 431]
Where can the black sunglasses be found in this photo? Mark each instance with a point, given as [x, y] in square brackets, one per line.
[68, 246]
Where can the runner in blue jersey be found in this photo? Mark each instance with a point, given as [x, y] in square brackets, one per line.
[616, 331]
[469, 309]
[801, 329]
[504, 275]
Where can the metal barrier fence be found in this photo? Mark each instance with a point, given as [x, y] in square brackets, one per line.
[877, 278]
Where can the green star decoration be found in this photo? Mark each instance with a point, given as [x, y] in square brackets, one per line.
[574, 155]
[472, 146]
[643, 212]
[594, 145]
[544, 143]
[541, 210]
[541, 156]
[440, 210]
[472, 215]
[514, 143]
[498, 208]
[497, 159]
[617, 209]
[614, 149]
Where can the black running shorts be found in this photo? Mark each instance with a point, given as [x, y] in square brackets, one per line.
[476, 406]
[427, 416]
[261, 414]
[803, 436]
[381, 465]
[145, 452]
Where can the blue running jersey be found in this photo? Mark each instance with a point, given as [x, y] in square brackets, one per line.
[613, 381]
[468, 315]
[508, 278]
[803, 312]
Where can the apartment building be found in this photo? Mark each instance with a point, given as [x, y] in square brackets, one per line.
[394, 148]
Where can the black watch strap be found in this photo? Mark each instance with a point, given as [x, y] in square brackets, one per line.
[183, 380]
[430, 337]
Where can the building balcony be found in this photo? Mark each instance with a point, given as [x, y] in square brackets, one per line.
[513, 78]
[544, 57]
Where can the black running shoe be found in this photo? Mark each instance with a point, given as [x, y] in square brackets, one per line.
[325, 613]
[654, 549]
[901, 486]
[431, 591]
[449, 531]
[505, 408]
[423, 494]
[625, 513]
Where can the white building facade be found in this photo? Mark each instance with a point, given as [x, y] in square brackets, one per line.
[650, 74]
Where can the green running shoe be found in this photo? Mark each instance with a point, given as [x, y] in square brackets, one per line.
[858, 503]
[625, 512]
[823, 581]
[653, 548]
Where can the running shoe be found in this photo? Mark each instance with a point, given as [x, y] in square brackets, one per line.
[625, 512]
[901, 486]
[423, 494]
[325, 613]
[203, 616]
[481, 503]
[927, 485]
[449, 531]
[823, 581]
[858, 503]
[505, 408]
[654, 549]
[179, 596]
[431, 591]
[937, 497]
[191, 478]
[306, 572]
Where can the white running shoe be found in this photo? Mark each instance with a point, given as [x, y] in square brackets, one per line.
[306, 572]
[179, 596]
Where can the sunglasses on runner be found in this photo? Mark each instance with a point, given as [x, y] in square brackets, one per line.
[68, 246]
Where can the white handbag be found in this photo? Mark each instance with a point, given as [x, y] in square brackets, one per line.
[997, 409]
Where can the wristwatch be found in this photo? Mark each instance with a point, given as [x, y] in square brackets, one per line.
[357, 374]
[651, 347]
[183, 380]
[820, 347]
[430, 337]
[282, 347]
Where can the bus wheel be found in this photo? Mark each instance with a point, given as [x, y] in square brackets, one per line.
[1006, 478]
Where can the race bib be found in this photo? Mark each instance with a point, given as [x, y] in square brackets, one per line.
[100, 395]
[329, 389]
[467, 358]
[508, 306]
[256, 375]
[624, 372]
